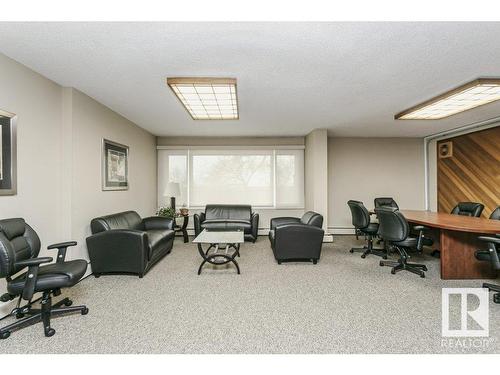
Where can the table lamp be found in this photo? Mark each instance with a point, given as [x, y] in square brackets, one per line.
[172, 190]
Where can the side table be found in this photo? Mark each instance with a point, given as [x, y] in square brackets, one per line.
[182, 228]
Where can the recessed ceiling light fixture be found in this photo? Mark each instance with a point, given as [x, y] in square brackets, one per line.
[471, 95]
[207, 98]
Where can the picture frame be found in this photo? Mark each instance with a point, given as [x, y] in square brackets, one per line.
[8, 153]
[114, 166]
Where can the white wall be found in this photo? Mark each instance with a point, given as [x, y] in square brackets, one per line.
[366, 168]
[59, 160]
[316, 173]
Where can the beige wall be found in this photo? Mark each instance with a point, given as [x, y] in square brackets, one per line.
[59, 159]
[91, 123]
[316, 173]
[37, 103]
[365, 168]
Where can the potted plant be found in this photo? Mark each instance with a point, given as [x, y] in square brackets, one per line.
[167, 212]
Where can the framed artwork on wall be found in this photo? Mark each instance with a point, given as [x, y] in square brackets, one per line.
[114, 166]
[8, 153]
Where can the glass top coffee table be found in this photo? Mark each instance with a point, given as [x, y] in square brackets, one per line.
[223, 246]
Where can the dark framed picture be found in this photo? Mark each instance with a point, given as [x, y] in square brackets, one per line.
[8, 154]
[114, 166]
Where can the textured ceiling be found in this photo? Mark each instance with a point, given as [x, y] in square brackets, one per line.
[350, 78]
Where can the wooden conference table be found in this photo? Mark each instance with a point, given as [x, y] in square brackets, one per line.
[456, 237]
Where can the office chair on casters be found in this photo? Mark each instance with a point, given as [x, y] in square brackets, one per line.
[361, 222]
[491, 255]
[19, 248]
[394, 228]
[472, 209]
[385, 202]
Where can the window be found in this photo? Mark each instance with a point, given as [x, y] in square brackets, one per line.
[263, 178]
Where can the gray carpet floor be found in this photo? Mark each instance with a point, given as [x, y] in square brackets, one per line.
[344, 304]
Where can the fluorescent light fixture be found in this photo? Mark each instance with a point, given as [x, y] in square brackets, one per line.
[471, 95]
[207, 98]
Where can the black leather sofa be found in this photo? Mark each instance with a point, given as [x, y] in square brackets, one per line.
[294, 238]
[227, 216]
[124, 243]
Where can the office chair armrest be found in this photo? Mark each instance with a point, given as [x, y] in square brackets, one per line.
[62, 246]
[32, 275]
[158, 222]
[420, 227]
[33, 262]
[495, 240]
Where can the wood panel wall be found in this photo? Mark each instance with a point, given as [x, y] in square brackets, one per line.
[472, 172]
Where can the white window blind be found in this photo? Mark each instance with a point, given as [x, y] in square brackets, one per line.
[261, 178]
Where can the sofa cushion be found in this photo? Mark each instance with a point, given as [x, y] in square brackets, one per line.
[228, 211]
[121, 220]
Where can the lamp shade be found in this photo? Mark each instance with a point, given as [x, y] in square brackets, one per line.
[173, 189]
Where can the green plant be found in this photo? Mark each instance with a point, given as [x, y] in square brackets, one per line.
[167, 212]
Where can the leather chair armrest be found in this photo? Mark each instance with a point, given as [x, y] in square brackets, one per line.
[493, 242]
[420, 227]
[198, 219]
[62, 247]
[31, 277]
[283, 220]
[125, 248]
[255, 225]
[158, 222]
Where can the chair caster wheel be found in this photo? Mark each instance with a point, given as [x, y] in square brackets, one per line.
[351, 251]
[363, 256]
[19, 315]
[393, 272]
[4, 335]
[422, 276]
[50, 332]
[384, 257]
[85, 311]
[68, 303]
[424, 268]
[381, 264]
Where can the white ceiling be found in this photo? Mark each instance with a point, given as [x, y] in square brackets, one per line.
[350, 78]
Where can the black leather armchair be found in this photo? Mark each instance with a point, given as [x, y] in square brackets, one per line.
[19, 248]
[124, 243]
[227, 216]
[295, 239]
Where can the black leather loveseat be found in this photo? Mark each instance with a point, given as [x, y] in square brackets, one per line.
[294, 238]
[125, 243]
[228, 216]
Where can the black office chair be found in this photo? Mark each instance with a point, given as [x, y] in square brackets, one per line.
[491, 255]
[468, 209]
[472, 209]
[361, 222]
[394, 228]
[495, 215]
[385, 202]
[19, 248]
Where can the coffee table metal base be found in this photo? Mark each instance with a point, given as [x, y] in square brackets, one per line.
[220, 256]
